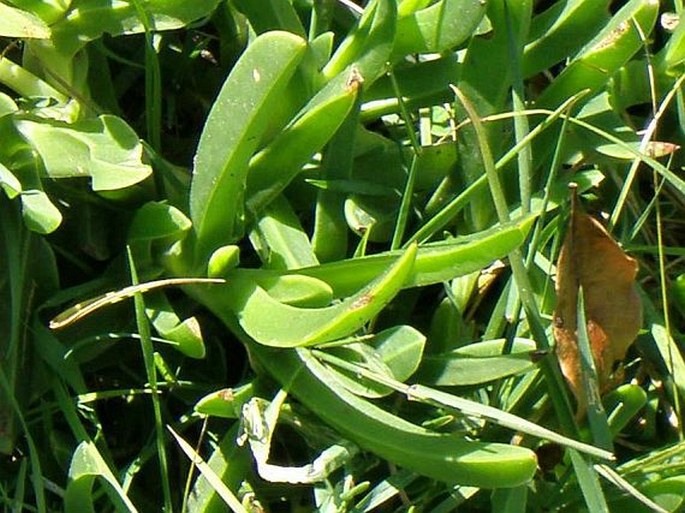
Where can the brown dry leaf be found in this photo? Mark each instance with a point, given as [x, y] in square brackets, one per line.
[591, 258]
[656, 149]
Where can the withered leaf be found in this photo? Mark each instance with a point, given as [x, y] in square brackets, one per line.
[591, 258]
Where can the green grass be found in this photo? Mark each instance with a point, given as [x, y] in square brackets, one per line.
[299, 256]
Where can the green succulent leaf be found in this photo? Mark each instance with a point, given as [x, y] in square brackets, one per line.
[232, 133]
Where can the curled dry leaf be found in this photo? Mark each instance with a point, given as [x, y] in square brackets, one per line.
[591, 258]
[656, 149]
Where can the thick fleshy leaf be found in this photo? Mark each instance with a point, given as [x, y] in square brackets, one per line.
[610, 49]
[561, 31]
[440, 456]
[156, 227]
[226, 146]
[226, 403]
[438, 27]
[90, 19]
[363, 355]
[401, 348]
[40, 214]
[477, 363]
[623, 404]
[87, 465]
[280, 239]
[272, 15]
[274, 167]
[395, 352]
[104, 149]
[17, 23]
[223, 260]
[374, 218]
[184, 333]
[368, 46]
[9, 183]
[7, 105]
[158, 221]
[296, 290]
[263, 317]
[435, 262]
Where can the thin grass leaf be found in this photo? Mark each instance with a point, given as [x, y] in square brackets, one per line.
[405, 206]
[441, 399]
[670, 176]
[384, 491]
[407, 195]
[664, 294]
[521, 127]
[617, 480]
[646, 139]
[599, 425]
[221, 489]
[153, 82]
[550, 369]
[667, 347]
[149, 358]
[449, 211]
[512, 500]
[589, 483]
[37, 476]
[85, 308]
